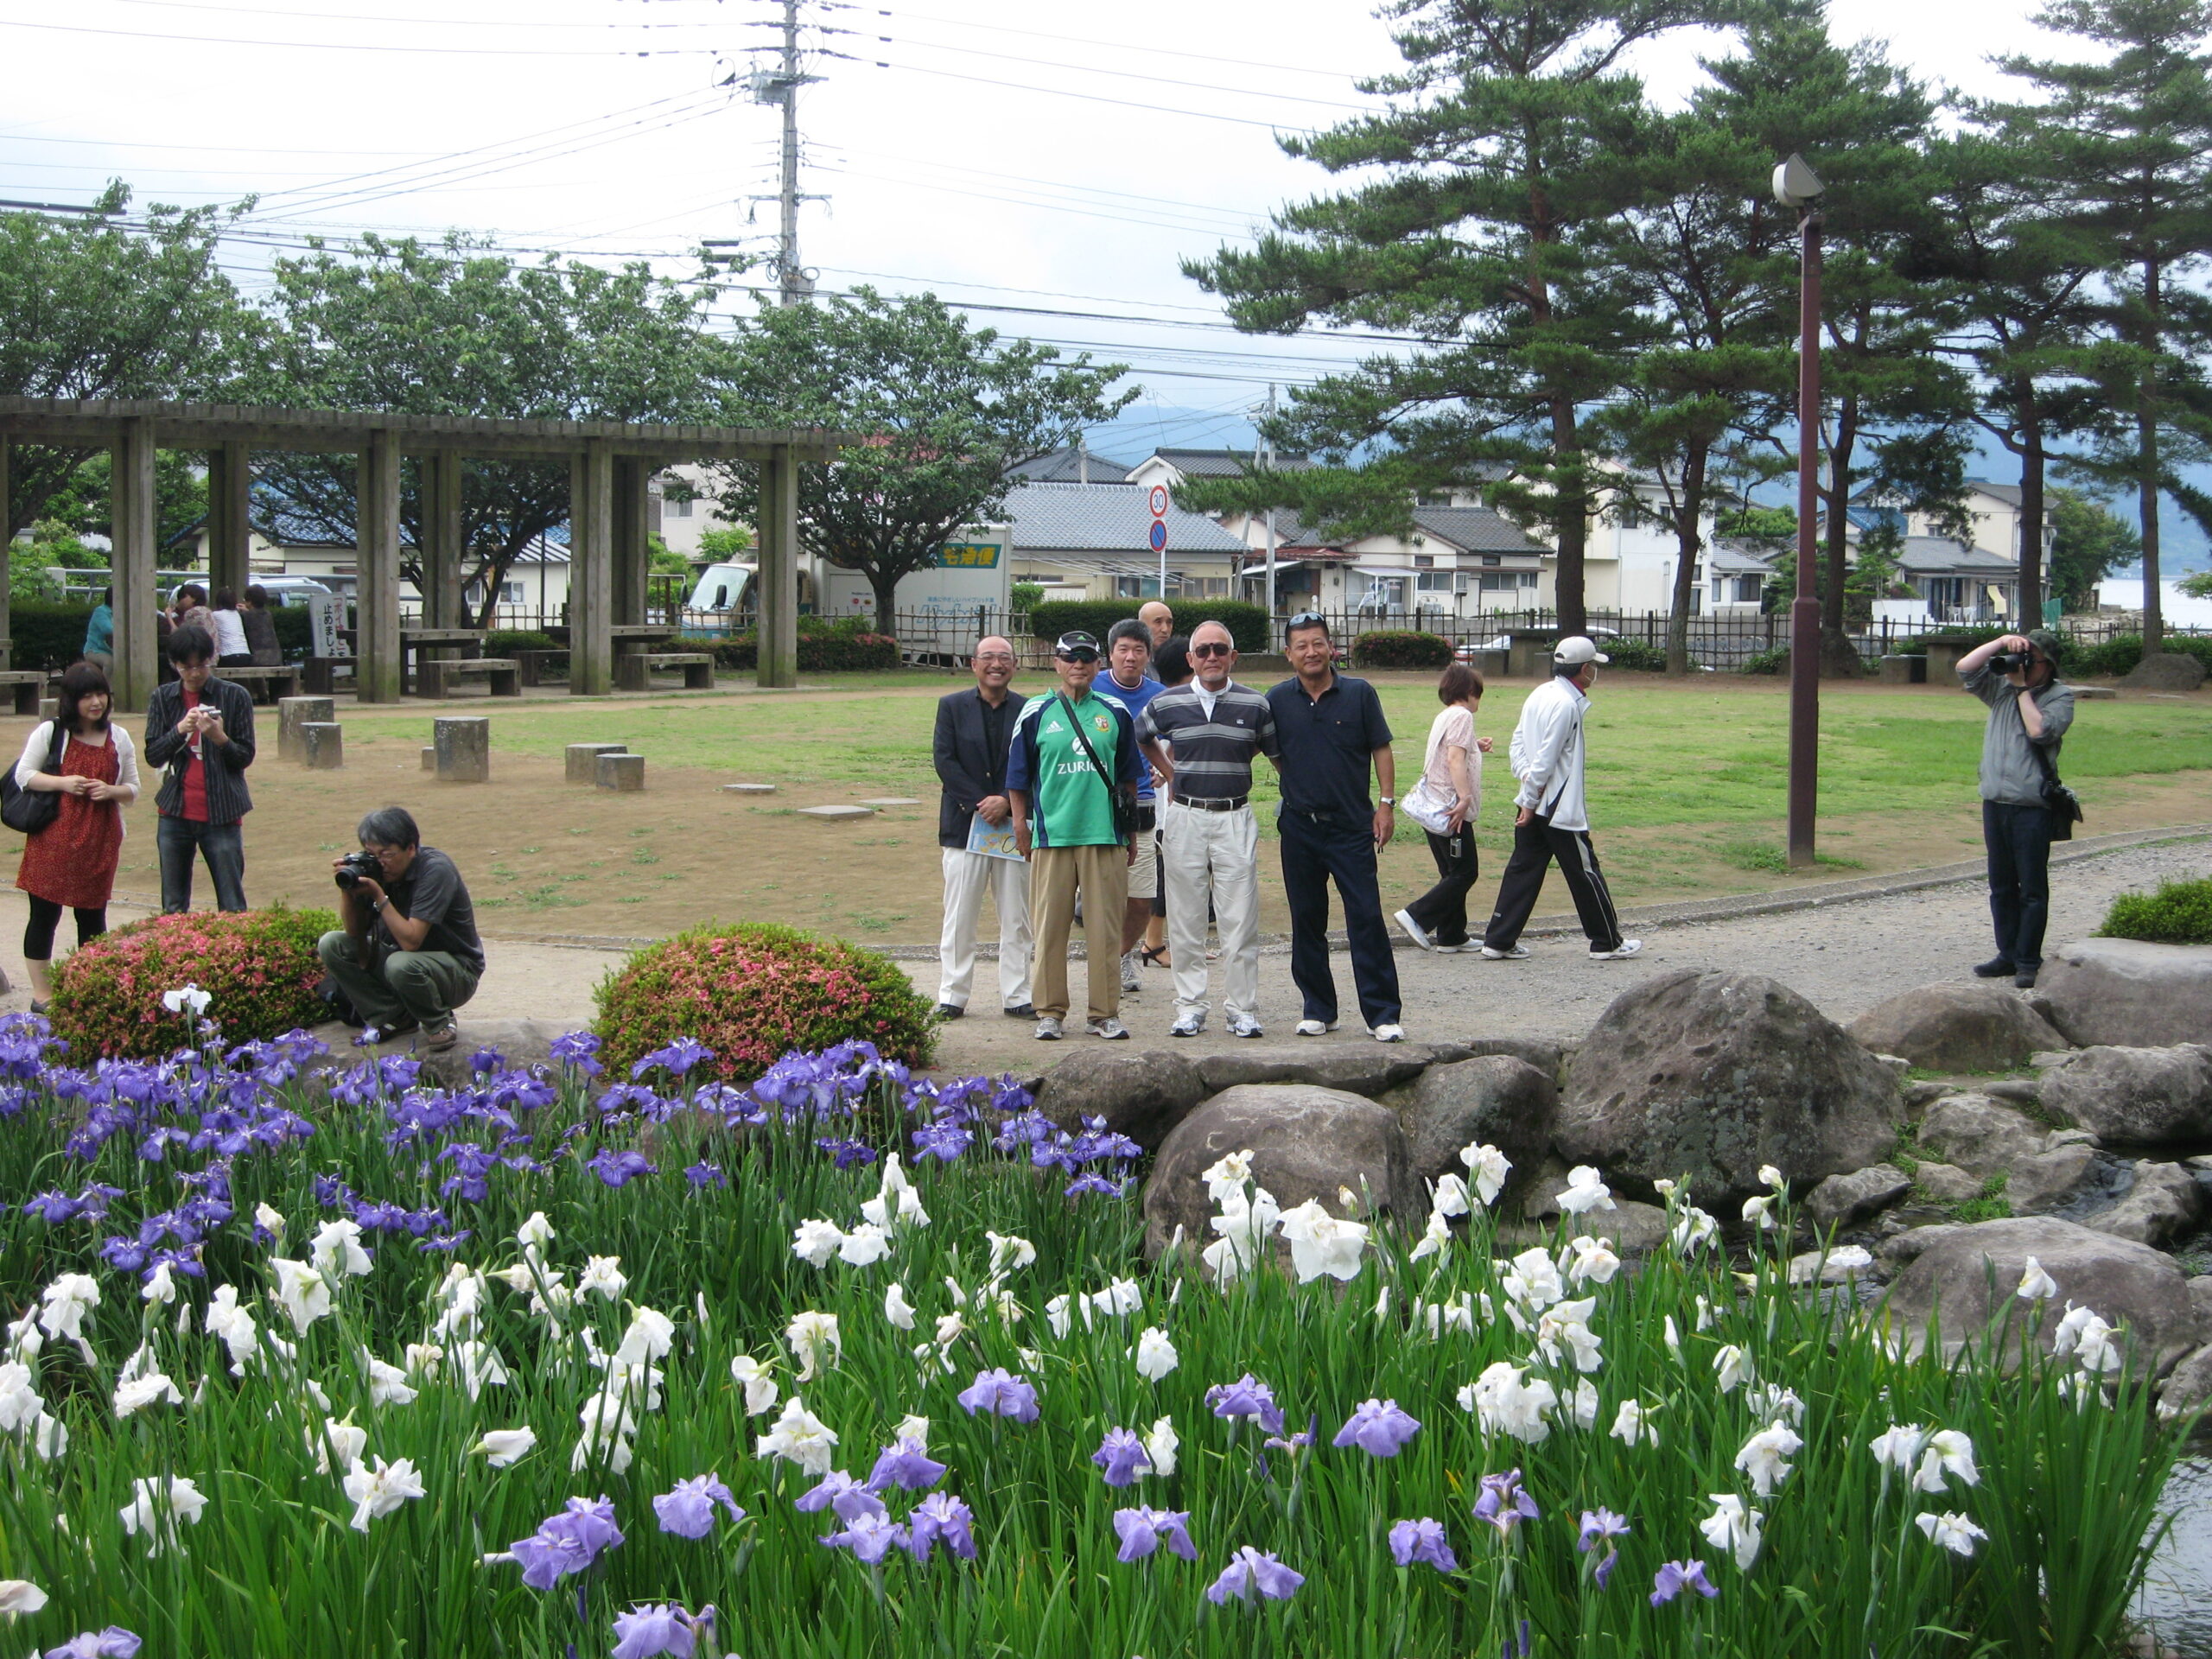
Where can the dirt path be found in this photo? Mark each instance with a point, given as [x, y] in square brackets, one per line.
[1845, 956]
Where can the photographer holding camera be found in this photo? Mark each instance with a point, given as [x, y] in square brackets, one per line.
[2029, 712]
[409, 954]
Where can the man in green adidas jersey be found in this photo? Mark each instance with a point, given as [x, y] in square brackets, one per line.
[1073, 749]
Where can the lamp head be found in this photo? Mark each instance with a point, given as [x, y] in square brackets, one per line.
[1795, 184]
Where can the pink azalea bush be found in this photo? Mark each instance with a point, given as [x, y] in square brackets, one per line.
[259, 967]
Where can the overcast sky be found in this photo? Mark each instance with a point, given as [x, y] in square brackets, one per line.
[1010, 155]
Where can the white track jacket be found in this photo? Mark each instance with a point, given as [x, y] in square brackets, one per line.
[1547, 753]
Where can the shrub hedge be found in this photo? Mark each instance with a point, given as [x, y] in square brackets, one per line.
[2179, 912]
[1400, 648]
[259, 966]
[1246, 624]
[755, 992]
[1775, 661]
[2120, 655]
[504, 642]
[1639, 655]
[47, 635]
[825, 647]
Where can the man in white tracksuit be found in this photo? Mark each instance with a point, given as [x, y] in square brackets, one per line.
[1549, 820]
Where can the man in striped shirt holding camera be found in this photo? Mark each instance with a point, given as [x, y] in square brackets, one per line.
[1202, 738]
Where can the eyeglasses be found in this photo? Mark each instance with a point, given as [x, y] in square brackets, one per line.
[994, 655]
[1211, 649]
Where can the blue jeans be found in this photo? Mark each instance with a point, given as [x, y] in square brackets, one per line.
[223, 845]
[2018, 842]
[1314, 854]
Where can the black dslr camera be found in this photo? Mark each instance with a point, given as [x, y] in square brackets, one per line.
[355, 868]
[2012, 661]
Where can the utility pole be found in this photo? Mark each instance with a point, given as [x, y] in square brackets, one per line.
[780, 86]
[1796, 186]
[1266, 456]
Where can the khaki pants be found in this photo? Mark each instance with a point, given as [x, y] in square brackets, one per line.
[1056, 873]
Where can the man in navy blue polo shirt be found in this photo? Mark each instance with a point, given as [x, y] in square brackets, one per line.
[1331, 730]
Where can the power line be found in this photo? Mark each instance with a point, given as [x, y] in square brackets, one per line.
[369, 17]
[374, 45]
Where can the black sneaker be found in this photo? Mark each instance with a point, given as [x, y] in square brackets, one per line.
[1995, 968]
[948, 1011]
[1022, 1011]
[2026, 979]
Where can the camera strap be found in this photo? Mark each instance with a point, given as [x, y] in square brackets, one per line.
[1123, 824]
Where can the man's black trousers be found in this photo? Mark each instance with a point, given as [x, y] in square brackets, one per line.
[1317, 847]
[1536, 844]
[2018, 840]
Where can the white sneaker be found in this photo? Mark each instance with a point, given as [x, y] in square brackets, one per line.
[1110, 1028]
[1452, 950]
[1132, 972]
[1243, 1025]
[1048, 1030]
[1518, 953]
[1316, 1027]
[1189, 1025]
[1389, 1034]
[1626, 948]
[1404, 918]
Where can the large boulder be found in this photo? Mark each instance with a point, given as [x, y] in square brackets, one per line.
[2123, 1282]
[1709, 1076]
[2189, 1390]
[1305, 1143]
[1957, 1028]
[1975, 1133]
[519, 1044]
[1846, 1201]
[1545, 1057]
[2164, 670]
[2165, 1204]
[1141, 1092]
[1367, 1069]
[2136, 1096]
[2128, 992]
[1497, 1099]
[2050, 1180]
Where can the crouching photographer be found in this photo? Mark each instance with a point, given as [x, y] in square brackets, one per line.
[409, 954]
[2021, 800]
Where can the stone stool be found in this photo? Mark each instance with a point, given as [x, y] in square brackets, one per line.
[583, 760]
[323, 745]
[292, 713]
[464, 748]
[623, 773]
[431, 759]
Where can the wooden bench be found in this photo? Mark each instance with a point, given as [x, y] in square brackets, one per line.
[29, 686]
[319, 677]
[282, 681]
[633, 669]
[537, 666]
[434, 677]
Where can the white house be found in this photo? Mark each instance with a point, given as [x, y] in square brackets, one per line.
[1094, 538]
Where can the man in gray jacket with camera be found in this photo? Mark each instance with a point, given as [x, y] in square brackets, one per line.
[2029, 712]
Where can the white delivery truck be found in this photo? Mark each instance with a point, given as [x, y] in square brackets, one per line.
[937, 607]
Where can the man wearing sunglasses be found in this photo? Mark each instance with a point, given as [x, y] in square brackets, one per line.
[1202, 738]
[1073, 751]
[1329, 730]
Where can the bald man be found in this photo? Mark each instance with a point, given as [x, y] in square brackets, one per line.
[1159, 619]
[974, 728]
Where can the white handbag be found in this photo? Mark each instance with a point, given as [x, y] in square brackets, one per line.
[1427, 808]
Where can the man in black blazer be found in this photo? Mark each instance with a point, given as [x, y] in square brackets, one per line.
[973, 730]
[199, 732]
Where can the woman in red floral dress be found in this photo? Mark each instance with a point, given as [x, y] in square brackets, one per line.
[70, 863]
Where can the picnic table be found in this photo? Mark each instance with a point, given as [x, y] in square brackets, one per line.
[640, 636]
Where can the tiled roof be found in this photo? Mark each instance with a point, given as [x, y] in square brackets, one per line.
[1474, 529]
[1221, 463]
[1104, 518]
[1934, 555]
[1065, 466]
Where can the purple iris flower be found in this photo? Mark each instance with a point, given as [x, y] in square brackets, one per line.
[1247, 1397]
[689, 1511]
[1600, 1529]
[1378, 1428]
[1001, 1392]
[846, 1149]
[52, 1208]
[942, 1141]
[906, 1466]
[704, 1174]
[444, 1243]
[1503, 1503]
[1675, 1577]
[576, 1050]
[678, 1058]
[941, 1518]
[617, 1168]
[485, 1061]
[1122, 1456]
[567, 1542]
[113, 1642]
[1422, 1541]
[1101, 1184]
[123, 1253]
[871, 1537]
[1250, 1575]
[1142, 1530]
[645, 1631]
[841, 1494]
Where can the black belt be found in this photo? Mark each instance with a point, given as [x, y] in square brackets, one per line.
[1199, 804]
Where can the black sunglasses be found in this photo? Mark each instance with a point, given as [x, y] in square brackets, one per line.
[1306, 619]
[1211, 649]
[1083, 655]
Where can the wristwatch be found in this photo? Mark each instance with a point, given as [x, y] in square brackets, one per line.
[1387, 800]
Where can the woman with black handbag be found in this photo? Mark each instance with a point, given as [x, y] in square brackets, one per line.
[87, 767]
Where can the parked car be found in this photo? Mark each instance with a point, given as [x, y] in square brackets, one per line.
[1504, 642]
[289, 590]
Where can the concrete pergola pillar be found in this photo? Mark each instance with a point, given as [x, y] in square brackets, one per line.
[441, 550]
[132, 515]
[591, 584]
[777, 583]
[7, 544]
[378, 659]
[633, 552]
[230, 480]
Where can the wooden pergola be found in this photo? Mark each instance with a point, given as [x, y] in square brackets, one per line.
[609, 464]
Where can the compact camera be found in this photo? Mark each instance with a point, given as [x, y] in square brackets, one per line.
[355, 868]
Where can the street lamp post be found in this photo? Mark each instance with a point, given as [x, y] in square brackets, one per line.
[1796, 185]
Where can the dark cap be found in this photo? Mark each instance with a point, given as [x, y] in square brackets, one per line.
[1073, 647]
[2051, 644]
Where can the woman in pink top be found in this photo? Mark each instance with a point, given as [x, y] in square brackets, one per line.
[1451, 770]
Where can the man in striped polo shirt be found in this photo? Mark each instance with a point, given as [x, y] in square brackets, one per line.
[1202, 738]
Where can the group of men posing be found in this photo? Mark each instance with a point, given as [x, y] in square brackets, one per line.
[1117, 786]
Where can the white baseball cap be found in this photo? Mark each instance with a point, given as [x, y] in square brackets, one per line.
[1575, 649]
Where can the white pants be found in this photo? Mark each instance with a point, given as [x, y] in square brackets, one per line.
[1217, 852]
[967, 877]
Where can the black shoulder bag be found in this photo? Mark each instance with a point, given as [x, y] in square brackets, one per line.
[31, 809]
[2063, 804]
[1125, 810]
